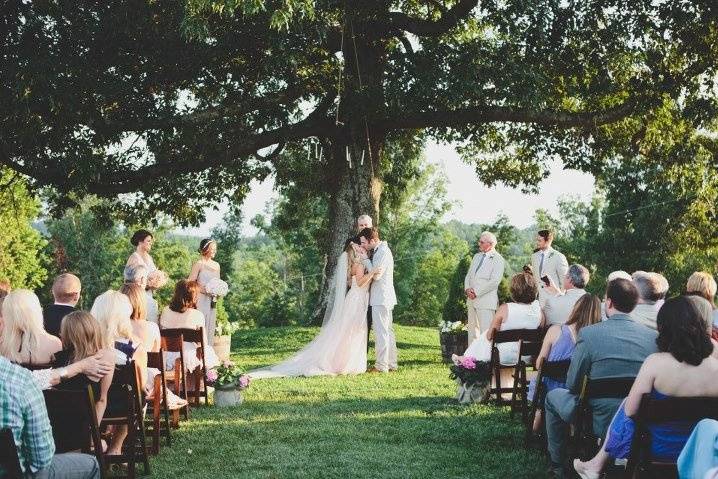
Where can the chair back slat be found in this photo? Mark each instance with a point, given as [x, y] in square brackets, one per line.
[190, 335]
[617, 388]
[9, 459]
[556, 370]
[512, 335]
[172, 344]
[654, 410]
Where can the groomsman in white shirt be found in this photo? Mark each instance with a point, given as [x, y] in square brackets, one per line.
[481, 285]
[548, 264]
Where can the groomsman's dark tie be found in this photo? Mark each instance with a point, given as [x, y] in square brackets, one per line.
[541, 265]
[483, 255]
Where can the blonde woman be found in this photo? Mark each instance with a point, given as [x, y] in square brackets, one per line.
[203, 271]
[112, 310]
[147, 332]
[702, 284]
[82, 337]
[23, 339]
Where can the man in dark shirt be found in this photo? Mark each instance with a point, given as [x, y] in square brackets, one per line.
[66, 291]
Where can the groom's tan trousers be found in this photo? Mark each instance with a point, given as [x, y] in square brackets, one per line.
[386, 353]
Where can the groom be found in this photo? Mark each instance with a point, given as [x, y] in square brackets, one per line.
[382, 299]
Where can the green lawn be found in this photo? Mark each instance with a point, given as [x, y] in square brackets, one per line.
[397, 425]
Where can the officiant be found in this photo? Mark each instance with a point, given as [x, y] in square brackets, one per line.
[481, 285]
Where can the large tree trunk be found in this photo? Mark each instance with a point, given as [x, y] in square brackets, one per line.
[355, 179]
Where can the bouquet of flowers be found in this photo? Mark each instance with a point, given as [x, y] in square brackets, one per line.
[455, 327]
[227, 376]
[469, 371]
[216, 288]
[157, 279]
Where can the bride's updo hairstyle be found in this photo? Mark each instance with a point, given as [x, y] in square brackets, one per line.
[139, 237]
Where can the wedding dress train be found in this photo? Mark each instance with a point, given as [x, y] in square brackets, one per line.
[339, 348]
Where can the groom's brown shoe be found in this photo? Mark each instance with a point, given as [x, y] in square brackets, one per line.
[373, 370]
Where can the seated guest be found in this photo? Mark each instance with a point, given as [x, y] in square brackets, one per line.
[24, 412]
[112, 310]
[649, 292]
[66, 292]
[182, 313]
[700, 453]
[23, 340]
[83, 337]
[613, 348]
[560, 342]
[702, 284]
[663, 288]
[523, 313]
[679, 369]
[618, 274]
[148, 332]
[558, 305]
[138, 274]
[94, 367]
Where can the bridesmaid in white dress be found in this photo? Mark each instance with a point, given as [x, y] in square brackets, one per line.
[524, 312]
[142, 240]
[204, 270]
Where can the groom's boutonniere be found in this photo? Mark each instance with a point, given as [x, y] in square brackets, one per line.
[550, 254]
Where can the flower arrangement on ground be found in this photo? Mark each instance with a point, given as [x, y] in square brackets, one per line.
[227, 375]
[473, 378]
[453, 337]
[449, 327]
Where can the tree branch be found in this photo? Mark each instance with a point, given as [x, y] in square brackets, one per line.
[398, 22]
[490, 114]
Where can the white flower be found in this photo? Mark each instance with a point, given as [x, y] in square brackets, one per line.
[216, 287]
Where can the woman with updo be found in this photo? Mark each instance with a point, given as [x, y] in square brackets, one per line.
[203, 271]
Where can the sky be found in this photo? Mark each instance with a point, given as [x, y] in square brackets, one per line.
[477, 203]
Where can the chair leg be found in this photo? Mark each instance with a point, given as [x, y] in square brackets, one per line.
[514, 390]
[143, 444]
[131, 446]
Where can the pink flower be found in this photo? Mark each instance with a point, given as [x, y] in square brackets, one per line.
[211, 376]
[468, 362]
[243, 381]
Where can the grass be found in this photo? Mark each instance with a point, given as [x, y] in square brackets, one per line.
[398, 425]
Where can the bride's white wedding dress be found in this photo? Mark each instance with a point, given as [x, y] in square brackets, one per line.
[340, 346]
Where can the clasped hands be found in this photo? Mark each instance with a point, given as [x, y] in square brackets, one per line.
[470, 293]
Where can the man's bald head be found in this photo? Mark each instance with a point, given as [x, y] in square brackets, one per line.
[66, 289]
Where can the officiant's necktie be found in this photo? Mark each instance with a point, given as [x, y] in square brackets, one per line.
[483, 255]
[541, 265]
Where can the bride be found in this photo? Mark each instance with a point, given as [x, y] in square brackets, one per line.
[340, 347]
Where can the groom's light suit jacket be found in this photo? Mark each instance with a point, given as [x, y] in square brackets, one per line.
[382, 290]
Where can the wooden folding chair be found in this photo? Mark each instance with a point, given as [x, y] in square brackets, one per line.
[126, 385]
[657, 411]
[199, 375]
[171, 342]
[160, 406]
[529, 346]
[583, 439]
[509, 336]
[74, 422]
[9, 460]
[556, 370]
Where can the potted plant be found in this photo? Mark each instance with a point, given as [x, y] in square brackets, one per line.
[473, 378]
[228, 382]
[454, 339]
[222, 342]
